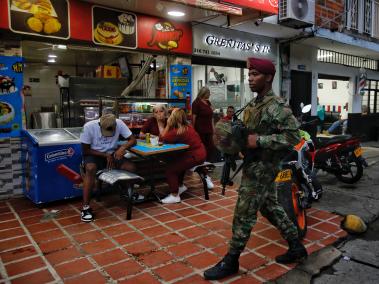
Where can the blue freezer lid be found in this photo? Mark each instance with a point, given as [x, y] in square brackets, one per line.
[53, 136]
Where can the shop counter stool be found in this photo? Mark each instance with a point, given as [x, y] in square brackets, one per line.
[202, 170]
[125, 182]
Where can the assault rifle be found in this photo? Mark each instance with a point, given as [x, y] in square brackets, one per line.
[240, 133]
[230, 163]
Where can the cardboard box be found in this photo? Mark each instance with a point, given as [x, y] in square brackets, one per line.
[107, 71]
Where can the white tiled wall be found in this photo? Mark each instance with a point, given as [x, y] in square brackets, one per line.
[46, 91]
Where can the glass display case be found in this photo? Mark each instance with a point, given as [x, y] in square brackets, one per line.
[134, 111]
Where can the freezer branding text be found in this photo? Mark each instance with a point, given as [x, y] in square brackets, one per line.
[59, 155]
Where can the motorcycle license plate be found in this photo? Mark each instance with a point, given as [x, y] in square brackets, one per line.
[358, 152]
[285, 175]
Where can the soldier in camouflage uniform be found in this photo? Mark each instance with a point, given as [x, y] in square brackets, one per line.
[274, 130]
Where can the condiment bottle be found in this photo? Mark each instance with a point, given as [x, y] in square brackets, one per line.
[148, 138]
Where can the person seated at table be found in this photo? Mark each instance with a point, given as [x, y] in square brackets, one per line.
[157, 123]
[99, 149]
[339, 126]
[179, 130]
[229, 113]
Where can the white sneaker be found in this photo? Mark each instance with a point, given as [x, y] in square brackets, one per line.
[182, 189]
[169, 199]
[210, 184]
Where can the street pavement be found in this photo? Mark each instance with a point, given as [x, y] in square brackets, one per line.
[354, 259]
[359, 259]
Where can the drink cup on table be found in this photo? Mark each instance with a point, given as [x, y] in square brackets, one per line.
[154, 140]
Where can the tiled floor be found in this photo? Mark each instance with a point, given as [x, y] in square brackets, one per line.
[161, 244]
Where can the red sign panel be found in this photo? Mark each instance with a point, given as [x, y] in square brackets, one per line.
[164, 35]
[269, 6]
[81, 20]
[4, 23]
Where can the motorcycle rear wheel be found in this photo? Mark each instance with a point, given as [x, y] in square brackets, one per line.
[288, 197]
[354, 175]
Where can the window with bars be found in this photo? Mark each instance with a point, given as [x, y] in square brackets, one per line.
[375, 22]
[370, 99]
[329, 56]
[352, 14]
[361, 15]
[367, 25]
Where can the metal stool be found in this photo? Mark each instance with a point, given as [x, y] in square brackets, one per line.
[202, 171]
[125, 182]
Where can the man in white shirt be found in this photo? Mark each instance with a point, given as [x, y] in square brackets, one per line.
[100, 150]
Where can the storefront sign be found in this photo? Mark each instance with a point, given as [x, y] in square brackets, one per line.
[269, 6]
[213, 40]
[164, 35]
[11, 77]
[48, 18]
[180, 81]
[228, 44]
[114, 27]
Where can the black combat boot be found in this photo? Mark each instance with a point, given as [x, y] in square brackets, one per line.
[295, 253]
[229, 265]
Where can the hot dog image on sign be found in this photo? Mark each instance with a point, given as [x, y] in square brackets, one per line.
[47, 18]
[114, 27]
[165, 36]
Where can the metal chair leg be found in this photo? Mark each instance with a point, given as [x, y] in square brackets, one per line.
[98, 185]
[129, 201]
[205, 186]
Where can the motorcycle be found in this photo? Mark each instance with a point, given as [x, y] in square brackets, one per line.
[340, 155]
[297, 185]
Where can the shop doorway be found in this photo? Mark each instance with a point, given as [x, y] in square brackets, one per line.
[333, 94]
[225, 84]
[301, 90]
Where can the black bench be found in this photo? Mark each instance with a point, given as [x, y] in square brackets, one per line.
[125, 182]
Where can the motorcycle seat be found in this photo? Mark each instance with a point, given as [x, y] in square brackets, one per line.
[325, 141]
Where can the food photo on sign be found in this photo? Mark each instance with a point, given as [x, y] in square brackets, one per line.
[47, 18]
[114, 27]
[180, 82]
[11, 76]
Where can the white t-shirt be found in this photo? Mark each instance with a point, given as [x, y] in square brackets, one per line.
[92, 135]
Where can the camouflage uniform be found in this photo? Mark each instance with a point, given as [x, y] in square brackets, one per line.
[277, 128]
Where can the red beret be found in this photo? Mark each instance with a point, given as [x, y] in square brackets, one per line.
[263, 66]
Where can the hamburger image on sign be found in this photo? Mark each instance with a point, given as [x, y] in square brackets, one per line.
[165, 36]
[108, 33]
